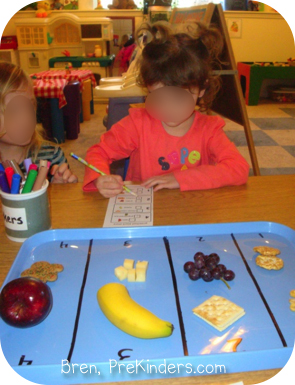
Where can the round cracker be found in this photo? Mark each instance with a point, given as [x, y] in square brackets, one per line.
[266, 250]
[269, 262]
[292, 293]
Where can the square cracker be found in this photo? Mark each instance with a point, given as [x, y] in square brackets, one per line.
[219, 312]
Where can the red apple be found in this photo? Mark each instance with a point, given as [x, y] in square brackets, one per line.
[25, 302]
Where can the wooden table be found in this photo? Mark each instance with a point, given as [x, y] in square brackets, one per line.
[264, 198]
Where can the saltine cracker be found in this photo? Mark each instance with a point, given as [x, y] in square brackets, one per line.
[219, 312]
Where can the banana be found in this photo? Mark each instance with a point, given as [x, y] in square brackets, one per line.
[117, 305]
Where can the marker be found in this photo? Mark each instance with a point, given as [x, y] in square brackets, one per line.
[30, 182]
[1, 167]
[97, 170]
[27, 163]
[4, 183]
[43, 163]
[42, 174]
[16, 179]
[9, 171]
[16, 168]
[33, 167]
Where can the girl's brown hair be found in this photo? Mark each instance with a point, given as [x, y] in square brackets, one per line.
[12, 79]
[183, 59]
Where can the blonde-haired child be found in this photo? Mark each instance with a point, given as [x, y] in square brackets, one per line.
[20, 136]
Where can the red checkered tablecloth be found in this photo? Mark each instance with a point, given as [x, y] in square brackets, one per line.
[80, 75]
[51, 88]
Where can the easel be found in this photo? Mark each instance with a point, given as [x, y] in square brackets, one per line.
[229, 102]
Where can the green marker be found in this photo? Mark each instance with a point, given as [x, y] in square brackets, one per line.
[30, 181]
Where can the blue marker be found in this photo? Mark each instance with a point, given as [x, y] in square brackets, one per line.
[15, 184]
[1, 167]
[4, 183]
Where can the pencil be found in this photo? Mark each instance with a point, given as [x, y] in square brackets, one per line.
[97, 170]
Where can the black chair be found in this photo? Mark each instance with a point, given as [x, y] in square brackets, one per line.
[71, 111]
[118, 109]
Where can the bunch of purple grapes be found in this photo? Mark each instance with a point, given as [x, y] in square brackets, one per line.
[208, 268]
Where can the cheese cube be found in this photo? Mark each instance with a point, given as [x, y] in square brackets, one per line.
[131, 275]
[121, 272]
[142, 264]
[128, 263]
[140, 274]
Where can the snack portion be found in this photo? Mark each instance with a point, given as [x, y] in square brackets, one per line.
[292, 300]
[269, 262]
[208, 268]
[25, 302]
[219, 312]
[121, 272]
[133, 274]
[44, 271]
[127, 315]
[266, 250]
[292, 304]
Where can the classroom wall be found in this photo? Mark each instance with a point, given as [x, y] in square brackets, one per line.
[264, 36]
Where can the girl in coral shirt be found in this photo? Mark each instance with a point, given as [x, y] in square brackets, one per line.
[170, 144]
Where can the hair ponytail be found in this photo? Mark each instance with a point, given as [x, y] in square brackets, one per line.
[157, 33]
[183, 59]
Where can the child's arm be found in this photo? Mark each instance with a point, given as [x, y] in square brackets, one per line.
[115, 144]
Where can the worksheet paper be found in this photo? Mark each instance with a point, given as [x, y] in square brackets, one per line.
[127, 210]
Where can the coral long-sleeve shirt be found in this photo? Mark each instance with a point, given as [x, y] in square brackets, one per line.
[203, 158]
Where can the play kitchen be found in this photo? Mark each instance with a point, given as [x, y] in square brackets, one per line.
[64, 36]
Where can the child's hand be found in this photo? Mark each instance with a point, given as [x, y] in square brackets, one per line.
[62, 174]
[109, 185]
[161, 181]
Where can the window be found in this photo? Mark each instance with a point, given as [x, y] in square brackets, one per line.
[32, 36]
[25, 36]
[38, 35]
[66, 34]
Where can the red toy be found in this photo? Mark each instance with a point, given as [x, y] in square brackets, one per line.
[66, 53]
[8, 42]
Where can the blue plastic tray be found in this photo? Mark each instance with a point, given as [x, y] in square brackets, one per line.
[77, 331]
